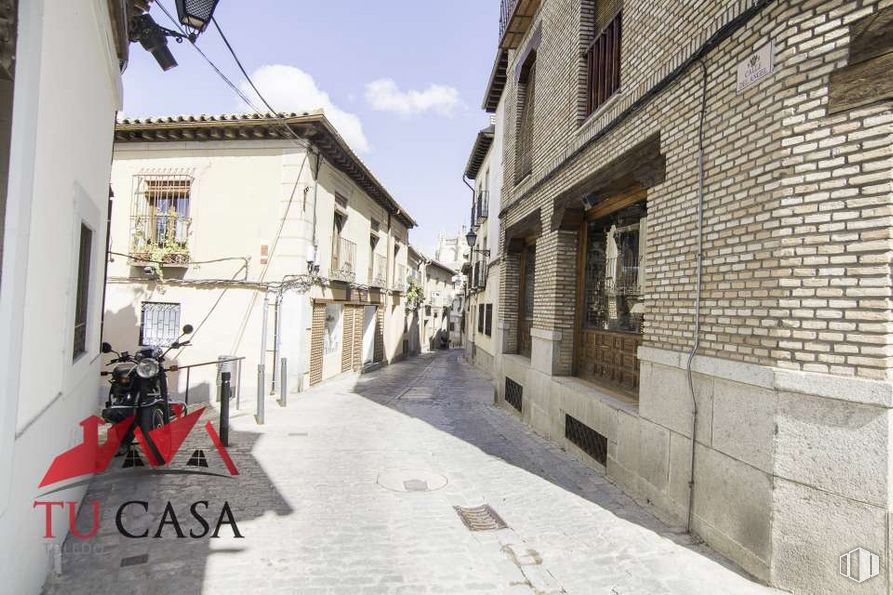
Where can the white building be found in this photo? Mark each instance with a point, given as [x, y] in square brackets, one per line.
[271, 246]
[484, 336]
[60, 88]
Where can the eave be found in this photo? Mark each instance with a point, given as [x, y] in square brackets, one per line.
[313, 127]
[519, 18]
[496, 85]
[482, 145]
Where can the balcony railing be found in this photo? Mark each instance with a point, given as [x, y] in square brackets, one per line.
[344, 260]
[377, 272]
[161, 236]
[515, 18]
[482, 205]
[400, 278]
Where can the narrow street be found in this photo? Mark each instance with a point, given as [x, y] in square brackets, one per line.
[352, 489]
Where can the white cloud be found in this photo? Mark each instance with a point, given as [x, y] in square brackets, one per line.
[384, 95]
[290, 89]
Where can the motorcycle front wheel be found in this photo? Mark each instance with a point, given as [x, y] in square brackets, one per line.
[151, 418]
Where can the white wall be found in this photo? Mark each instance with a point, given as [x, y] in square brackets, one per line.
[67, 92]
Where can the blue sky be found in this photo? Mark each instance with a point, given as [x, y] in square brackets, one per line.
[403, 78]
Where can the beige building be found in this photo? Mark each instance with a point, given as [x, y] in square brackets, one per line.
[268, 235]
[433, 314]
[703, 218]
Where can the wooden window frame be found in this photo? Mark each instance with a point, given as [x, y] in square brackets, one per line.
[603, 64]
[525, 322]
[601, 210]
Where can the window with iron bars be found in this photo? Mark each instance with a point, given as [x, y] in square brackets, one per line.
[160, 218]
[160, 323]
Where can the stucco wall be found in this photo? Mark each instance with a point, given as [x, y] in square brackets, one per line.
[67, 92]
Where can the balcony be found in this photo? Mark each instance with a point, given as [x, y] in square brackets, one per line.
[400, 274]
[482, 205]
[160, 236]
[377, 272]
[344, 260]
[515, 18]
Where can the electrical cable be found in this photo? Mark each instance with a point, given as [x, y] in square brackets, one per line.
[303, 143]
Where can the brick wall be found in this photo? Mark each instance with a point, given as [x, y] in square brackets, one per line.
[797, 248]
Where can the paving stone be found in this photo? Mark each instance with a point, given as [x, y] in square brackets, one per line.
[316, 520]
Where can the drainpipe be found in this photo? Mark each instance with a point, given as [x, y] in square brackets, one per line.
[697, 326]
[263, 333]
[276, 330]
[315, 194]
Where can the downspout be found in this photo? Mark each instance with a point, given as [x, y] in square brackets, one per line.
[276, 329]
[697, 326]
[315, 194]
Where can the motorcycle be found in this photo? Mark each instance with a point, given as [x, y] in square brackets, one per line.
[139, 390]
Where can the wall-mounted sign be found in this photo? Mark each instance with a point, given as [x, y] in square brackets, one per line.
[757, 67]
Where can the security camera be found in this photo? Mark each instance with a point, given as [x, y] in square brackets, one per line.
[149, 271]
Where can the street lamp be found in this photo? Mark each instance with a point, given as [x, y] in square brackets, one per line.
[196, 14]
[471, 237]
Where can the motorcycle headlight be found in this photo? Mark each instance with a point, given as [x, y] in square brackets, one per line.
[147, 368]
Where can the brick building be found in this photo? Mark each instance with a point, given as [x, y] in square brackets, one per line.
[640, 133]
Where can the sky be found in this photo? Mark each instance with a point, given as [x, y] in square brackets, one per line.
[402, 80]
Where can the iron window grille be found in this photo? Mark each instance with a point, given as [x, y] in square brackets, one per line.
[159, 323]
[586, 439]
[514, 394]
[488, 320]
[480, 318]
[160, 219]
[82, 297]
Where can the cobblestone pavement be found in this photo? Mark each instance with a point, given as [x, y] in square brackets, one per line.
[352, 487]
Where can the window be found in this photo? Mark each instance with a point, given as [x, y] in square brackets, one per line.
[332, 334]
[160, 218]
[82, 300]
[160, 325]
[525, 109]
[480, 318]
[488, 318]
[603, 64]
[525, 301]
[612, 282]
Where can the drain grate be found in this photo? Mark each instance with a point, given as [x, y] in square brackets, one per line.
[134, 560]
[480, 518]
[514, 393]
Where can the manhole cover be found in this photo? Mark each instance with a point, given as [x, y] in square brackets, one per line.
[480, 518]
[411, 480]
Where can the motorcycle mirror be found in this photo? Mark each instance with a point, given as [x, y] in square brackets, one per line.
[187, 330]
[106, 348]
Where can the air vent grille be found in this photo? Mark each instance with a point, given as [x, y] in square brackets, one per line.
[514, 394]
[589, 441]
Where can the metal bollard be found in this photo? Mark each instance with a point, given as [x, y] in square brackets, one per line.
[226, 392]
[259, 416]
[283, 382]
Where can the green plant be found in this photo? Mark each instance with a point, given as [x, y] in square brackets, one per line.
[413, 295]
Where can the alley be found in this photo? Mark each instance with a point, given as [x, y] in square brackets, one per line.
[351, 489]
